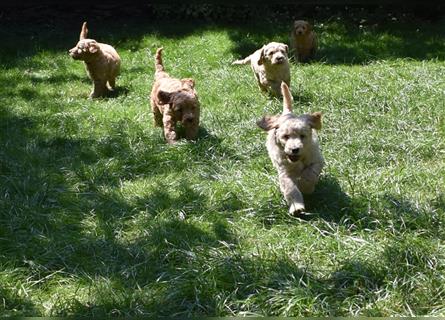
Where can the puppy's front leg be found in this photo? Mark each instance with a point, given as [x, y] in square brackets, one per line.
[99, 89]
[169, 126]
[309, 178]
[275, 89]
[291, 193]
[191, 130]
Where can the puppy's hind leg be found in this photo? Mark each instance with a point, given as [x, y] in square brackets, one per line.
[157, 115]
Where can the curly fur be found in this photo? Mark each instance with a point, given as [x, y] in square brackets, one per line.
[102, 62]
[174, 100]
[293, 147]
[270, 65]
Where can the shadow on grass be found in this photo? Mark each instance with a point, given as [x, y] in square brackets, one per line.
[344, 38]
[14, 304]
[346, 41]
[61, 209]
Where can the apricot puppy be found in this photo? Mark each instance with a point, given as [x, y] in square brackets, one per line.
[303, 41]
[270, 65]
[293, 147]
[174, 100]
[101, 62]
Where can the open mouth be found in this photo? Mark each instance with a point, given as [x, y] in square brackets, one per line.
[293, 157]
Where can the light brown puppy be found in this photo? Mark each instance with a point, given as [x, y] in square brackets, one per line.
[101, 62]
[174, 100]
[270, 65]
[303, 41]
[293, 147]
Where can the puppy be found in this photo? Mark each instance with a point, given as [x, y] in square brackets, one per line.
[303, 41]
[293, 147]
[101, 62]
[174, 100]
[270, 65]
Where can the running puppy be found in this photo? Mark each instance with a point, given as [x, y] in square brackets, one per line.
[174, 100]
[270, 65]
[101, 62]
[303, 41]
[293, 147]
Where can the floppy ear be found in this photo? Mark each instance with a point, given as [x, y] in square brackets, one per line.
[315, 120]
[268, 122]
[308, 26]
[188, 82]
[84, 31]
[287, 48]
[93, 47]
[261, 59]
[165, 97]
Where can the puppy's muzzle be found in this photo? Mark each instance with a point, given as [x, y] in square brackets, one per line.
[188, 119]
[294, 155]
[279, 59]
[74, 53]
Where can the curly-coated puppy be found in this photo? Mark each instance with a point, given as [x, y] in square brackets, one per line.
[303, 41]
[101, 62]
[293, 147]
[174, 100]
[270, 65]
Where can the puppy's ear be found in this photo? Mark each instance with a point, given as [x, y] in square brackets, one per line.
[165, 97]
[268, 122]
[286, 47]
[261, 59]
[188, 82]
[315, 120]
[93, 47]
[84, 31]
[308, 27]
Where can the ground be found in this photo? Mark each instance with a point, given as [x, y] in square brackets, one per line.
[99, 216]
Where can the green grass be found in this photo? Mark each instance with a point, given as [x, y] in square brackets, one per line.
[99, 216]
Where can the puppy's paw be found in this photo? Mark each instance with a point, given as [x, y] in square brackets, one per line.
[171, 137]
[296, 209]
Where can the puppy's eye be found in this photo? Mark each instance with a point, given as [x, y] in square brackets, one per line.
[302, 136]
[286, 137]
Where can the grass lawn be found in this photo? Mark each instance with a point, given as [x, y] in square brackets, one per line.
[99, 216]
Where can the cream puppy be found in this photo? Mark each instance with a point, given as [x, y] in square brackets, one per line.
[293, 147]
[270, 65]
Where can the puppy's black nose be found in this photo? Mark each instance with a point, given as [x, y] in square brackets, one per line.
[295, 151]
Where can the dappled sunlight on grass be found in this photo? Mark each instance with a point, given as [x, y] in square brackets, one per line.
[100, 217]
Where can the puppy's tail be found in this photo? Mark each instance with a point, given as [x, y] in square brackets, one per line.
[84, 31]
[243, 61]
[158, 60]
[287, 98]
